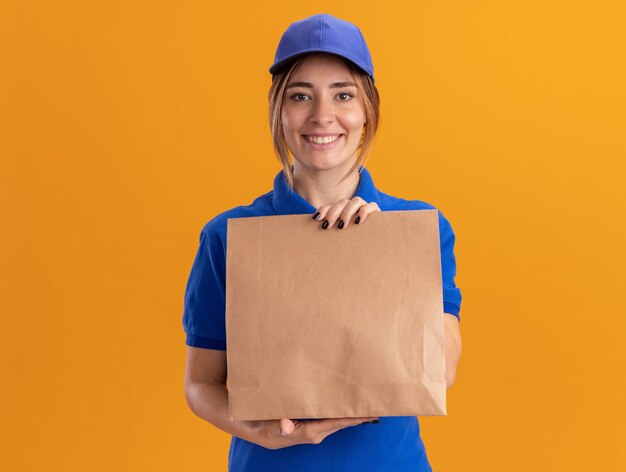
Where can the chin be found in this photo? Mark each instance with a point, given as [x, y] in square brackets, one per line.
[322, 164]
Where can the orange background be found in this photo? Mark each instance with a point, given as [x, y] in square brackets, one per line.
[127, 125]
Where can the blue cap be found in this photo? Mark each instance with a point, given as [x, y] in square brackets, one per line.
[323, 33]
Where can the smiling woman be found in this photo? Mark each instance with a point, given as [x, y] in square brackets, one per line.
[322, 122]
[306, 94]
[324, 114]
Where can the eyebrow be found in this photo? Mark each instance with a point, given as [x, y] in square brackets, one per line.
[310, 85]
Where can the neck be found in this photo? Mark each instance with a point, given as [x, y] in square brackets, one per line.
[322, 187]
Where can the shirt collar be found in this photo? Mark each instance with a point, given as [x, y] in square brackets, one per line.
[289, 202]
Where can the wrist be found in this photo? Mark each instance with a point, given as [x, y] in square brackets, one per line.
[251, 430]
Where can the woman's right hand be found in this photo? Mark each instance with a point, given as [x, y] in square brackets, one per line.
[276, 434]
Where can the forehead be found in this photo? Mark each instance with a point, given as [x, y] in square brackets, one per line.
[320, 66]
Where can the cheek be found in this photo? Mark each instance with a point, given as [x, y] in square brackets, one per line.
[354, 119]
[284, 119]
[290, 121]
[288, 132]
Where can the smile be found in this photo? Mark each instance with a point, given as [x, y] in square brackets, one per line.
[322, 139]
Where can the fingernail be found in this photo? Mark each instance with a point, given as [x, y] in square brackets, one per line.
[316, 216]
[325, 224]
[375, 421]
[340, 225]
[358, 218]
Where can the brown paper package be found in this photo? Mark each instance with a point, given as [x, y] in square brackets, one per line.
[334, 323]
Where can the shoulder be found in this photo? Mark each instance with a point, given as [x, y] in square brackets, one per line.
[215, 229]
[392, 203]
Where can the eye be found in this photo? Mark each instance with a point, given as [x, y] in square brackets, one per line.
[299, 97]
[347, 96]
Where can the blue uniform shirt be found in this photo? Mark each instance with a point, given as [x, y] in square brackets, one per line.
[392, 445]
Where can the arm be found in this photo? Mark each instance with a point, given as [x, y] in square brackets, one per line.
[207, 396]
[452, 342]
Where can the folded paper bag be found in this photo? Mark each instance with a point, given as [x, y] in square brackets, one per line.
[334, 323]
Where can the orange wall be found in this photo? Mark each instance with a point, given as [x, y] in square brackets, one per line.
[126, 125]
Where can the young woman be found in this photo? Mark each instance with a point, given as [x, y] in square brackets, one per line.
[324, 111]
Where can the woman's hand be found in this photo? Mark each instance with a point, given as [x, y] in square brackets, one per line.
[343, 211]
[276, 434]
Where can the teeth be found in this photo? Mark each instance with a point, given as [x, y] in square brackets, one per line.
[322, 140]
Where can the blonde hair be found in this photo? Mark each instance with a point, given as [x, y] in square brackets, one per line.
[368, 94]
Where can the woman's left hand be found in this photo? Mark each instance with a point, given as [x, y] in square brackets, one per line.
[343, 211]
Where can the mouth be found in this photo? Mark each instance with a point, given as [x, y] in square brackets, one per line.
[322, 142]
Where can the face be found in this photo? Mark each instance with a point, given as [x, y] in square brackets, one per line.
[322, 114]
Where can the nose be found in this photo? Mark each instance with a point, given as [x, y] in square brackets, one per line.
[323, 111]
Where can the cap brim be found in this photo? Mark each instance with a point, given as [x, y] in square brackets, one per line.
[277, 66]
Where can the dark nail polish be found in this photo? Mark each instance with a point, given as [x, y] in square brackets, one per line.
[358, 218]
[316, 216]
[325, 224]
[340, 225]
[375, 421]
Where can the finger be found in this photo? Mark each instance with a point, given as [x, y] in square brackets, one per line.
[336, 424]
[331, 431]
[366, 210]
[331, 214]
[320, 213]
[368, 420]
[286, 427]
[349, 211]
[314, 431]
